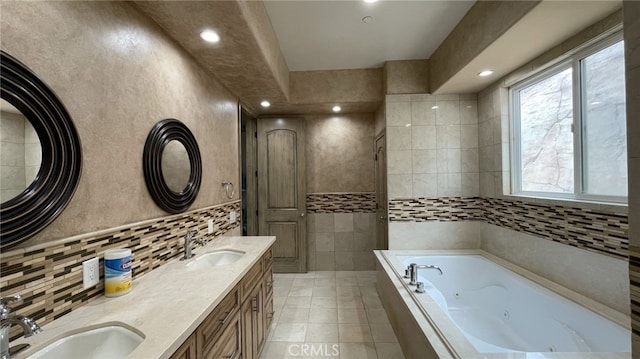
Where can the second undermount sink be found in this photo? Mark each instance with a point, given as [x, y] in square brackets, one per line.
[213, 259]
[109, 341]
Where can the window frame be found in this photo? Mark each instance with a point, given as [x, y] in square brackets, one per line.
[573, 61]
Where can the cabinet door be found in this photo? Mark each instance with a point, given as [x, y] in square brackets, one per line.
[229, 344]
[247, 329]
[187, 350]
[253, 334]
[258, 319]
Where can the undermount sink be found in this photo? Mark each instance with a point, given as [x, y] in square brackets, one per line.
[214, 259]
[111, 341]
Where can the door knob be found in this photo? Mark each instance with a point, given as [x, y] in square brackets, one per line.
[301, 214]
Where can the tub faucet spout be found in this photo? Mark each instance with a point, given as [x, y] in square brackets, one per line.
[413, 271]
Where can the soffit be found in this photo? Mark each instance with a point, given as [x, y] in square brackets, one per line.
[547, 25]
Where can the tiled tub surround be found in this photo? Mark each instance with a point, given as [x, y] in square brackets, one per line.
[434, 335]
[49, 276]
[182, 296]
[571, 261]
[341, 231]
[593, 230]
[432, 145]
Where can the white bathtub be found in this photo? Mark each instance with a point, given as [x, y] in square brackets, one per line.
[479, 308]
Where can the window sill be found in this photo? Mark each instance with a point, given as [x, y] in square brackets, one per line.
[609, 207]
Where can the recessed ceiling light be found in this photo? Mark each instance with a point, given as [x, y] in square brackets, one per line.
[265, 103]
[370, 1]
[434, 107]
[367, 19]
[337, 108]
[210, 36]
[484, 73]
[407, 125]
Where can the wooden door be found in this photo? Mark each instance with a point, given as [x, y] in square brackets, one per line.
[382, 225]
[282, 191]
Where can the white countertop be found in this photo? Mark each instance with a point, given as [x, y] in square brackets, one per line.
[165, 305]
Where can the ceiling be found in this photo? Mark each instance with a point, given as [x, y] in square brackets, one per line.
[331, 35]
[305, 56]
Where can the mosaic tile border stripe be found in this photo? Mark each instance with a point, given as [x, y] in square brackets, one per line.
[341, 202]
[50, 279]
[601, 232]
[442, 209]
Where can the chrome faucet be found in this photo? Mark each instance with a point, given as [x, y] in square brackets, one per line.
[413, 271]
[189, 239]
[7, 320]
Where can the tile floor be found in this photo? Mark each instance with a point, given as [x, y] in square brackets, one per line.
[329, 315]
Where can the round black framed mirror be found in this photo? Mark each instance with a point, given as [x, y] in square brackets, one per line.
[169, 144]
[56, 179]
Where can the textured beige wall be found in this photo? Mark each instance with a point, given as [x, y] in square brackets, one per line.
[406, 77]
[357, 85]
[118, 74]
[481, 26]
[631, 11]
[339, 152]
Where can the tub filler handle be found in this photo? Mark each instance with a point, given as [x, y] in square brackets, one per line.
[413, 271]
[419, 287]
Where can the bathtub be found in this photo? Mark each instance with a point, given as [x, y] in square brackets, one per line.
[484, 307]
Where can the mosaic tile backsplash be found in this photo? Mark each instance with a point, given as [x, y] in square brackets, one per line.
[50, 279]
[597, 231]
[341, 202]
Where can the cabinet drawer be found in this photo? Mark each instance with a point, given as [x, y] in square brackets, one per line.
[251, 279]
[209, 331]
[229, 345]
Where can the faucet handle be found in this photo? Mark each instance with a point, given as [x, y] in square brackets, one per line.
[12, 298]
[190, 235]
[4, 305]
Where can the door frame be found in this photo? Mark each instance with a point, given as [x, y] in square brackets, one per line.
[248, 170]
[265, 215]
[382, 239]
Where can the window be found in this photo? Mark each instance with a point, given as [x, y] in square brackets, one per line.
[569, 128]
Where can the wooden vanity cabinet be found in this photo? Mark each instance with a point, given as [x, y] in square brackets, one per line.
[239, 325]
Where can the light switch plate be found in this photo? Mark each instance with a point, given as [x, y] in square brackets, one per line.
[90, 272]
[210, 226]
[232, 217]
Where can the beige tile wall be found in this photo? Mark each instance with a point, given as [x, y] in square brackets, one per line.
[432, 146]
[632, 54]
[341, 241]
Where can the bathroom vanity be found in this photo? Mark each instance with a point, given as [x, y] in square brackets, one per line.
[218, 304]
[238, 326]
